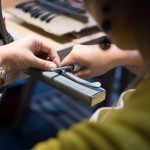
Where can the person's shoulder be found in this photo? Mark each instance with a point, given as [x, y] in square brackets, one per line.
[101, 113]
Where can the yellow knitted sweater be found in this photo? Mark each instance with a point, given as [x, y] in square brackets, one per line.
[128, 128]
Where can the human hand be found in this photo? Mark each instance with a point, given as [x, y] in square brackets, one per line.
[93, 60]
[28, 52]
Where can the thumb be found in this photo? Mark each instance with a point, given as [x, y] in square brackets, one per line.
[43, 64]
[67, 61]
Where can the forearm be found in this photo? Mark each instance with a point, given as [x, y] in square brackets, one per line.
[135, 63]
[131, 60]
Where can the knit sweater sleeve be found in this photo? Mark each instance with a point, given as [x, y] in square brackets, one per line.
[125, 129]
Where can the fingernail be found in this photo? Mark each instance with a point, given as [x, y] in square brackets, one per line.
[52, 65]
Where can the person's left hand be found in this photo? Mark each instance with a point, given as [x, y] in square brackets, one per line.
[28, 52]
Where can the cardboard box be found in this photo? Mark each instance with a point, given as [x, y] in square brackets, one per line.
[8, 3]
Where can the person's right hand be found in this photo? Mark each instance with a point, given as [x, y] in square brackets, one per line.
[94, 61]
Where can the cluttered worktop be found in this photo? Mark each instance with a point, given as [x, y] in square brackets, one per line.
[62, 31]
[63, 25]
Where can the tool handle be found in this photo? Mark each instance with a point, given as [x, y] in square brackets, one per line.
[76, 67]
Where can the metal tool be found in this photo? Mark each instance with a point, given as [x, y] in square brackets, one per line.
[81, 81]
[75, 68]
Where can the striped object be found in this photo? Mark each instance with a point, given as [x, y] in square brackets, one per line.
[59, 110]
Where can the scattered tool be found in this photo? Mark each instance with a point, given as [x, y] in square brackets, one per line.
[75, 68]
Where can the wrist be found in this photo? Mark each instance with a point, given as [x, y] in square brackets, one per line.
[120, 57]
[134, 62]
[114, 57]
[130, 59]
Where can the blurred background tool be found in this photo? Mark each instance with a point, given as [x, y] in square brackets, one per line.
[55, 17]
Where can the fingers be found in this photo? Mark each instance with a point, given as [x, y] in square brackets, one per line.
[74, 57]
[43, 64]
[51, 53]
[67, 60]
[55, 58]
[41, 46]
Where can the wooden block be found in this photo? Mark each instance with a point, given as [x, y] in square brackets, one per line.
[88, 95]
